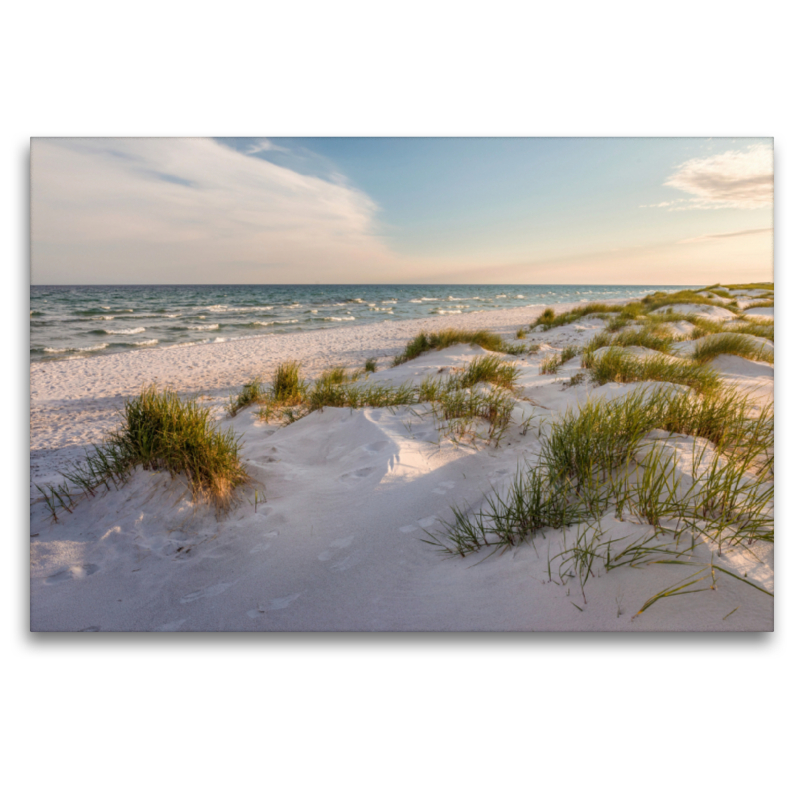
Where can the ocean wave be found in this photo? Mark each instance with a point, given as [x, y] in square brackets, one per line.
[102, 318]
[125, 331]
[120, 332]
[446, 311]
[145, 343]
[74, 349]
[214, 326]
[338, 319]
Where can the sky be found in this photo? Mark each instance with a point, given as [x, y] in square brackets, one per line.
[401, 210]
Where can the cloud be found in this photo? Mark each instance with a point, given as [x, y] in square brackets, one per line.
[734, 179]
[711, 236]
[263, 146]
[193, 210]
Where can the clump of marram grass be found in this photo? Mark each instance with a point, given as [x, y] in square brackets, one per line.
[160, 431]
[596, 459]
[617, 323]
[250, 393]
[653, 337]
[287, 387]
[763, 330]
[766, 287]
[371, 365]
[629, 311]
[438, 340]
[549, 319]
[456, 411]
[617, 366]
[737, 344]
[521, 333]
[552, 364]
[760, 304]
[489, 369]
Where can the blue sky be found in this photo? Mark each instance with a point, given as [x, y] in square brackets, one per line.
[583, 210]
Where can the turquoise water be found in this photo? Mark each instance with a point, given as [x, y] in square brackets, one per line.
[87, 321]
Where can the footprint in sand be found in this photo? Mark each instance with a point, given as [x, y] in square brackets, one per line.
[427, 522]
[376, 447]
[72, 573]
[357, 474]
[408, 529]
[262, 546]
[277, 604]
[211, 591]
[445, 487]
[336, 544]
[347, 562]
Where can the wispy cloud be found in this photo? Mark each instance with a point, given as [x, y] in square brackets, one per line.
[264, 146]
[711, 236]
[734, 179]
[193, 210]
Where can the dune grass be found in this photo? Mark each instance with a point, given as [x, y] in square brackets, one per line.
[596, 459]
[161, 432]
[767, 287]
[371, 365]
[457, 410]
[250, 393]
[735, 344]
[760, 304]
[287, 387]
[629, 311]
[552, 364]
[653, 337]
[618, 366]
[456, 402]
[549, 319]
[763, 330]
[438, 340]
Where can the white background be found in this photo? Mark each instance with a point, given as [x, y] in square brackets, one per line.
[644, 716]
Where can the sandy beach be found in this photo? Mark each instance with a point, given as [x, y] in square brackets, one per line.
[330, 534]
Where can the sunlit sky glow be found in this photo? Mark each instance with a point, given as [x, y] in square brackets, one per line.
[259, 210]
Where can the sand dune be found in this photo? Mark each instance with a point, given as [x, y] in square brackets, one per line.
[330, 534]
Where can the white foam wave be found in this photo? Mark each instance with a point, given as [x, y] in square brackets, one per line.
[146, 343]
[107, 317]
[124, 331]
[211, 327]
[74, 349]
[338, 319]
[448, 311]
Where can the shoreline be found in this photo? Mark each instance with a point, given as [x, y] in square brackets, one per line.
[74, 401]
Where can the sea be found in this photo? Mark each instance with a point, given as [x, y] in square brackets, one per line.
[91, 321]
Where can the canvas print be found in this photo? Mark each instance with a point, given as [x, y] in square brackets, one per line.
[401, 384]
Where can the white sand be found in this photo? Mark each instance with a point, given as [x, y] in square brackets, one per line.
[344, 499]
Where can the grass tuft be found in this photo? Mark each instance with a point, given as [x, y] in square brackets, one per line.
[735, 344]
[438, 340]
[251, 392]
[160, 431]
[619, 367]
